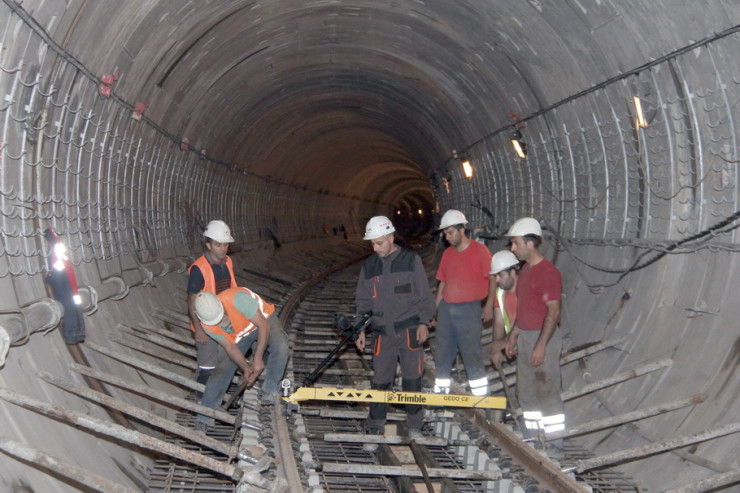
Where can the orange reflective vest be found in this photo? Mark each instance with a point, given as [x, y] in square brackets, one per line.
[240, 324]
[210, 280]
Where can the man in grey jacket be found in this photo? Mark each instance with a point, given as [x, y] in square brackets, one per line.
[394, 285]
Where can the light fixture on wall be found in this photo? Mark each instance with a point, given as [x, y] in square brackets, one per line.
[467, 168]
[519, 145]
[640, 121]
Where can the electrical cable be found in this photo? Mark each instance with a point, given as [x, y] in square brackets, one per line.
[717, 228]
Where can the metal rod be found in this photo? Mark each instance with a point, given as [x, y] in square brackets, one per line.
[408, 471]
[145, 416]
[390, 440]
[177, 319]
[266, 276]
[285, 447]
[635, 372]
[120, 433]
[348, 414]
[155, 394]
[81, 358]
[235, 395]
[600, 424]
[653, 448]
[552, 477]
[422, 467]
[447, 484]
[65, 469]
[179, 336]
[590, 350]
[160, 341]
[709, 484]
[156, 352]
[148, 367]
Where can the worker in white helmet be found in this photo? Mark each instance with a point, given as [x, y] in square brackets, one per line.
[463, 283]
[236, 319]
[393, 284]
[534, 334]
[505, 270]
[213, 272]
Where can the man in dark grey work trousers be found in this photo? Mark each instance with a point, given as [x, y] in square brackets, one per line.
[394, 285]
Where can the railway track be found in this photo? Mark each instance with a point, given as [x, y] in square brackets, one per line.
[460, 449]
[319, 446]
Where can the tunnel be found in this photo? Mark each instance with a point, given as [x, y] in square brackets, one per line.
[127, 126]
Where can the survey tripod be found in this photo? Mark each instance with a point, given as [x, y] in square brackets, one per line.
[349, 333]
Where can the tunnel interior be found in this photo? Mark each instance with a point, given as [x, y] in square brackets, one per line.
[127, 126]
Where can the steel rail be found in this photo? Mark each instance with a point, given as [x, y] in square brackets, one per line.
[536, 464]
[280, 425]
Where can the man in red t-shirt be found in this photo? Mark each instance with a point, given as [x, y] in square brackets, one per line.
[538, 291]
[463, 283]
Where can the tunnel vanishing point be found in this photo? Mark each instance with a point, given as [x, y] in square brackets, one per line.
[125, 126]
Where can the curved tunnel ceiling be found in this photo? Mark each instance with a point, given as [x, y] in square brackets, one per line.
[274, 88]
[281, 89]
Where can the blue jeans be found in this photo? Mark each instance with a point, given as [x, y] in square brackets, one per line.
[276, 358]
[459, 326]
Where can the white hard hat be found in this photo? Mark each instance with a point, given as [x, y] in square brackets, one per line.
[451, 218]
[208, 308]
[378, 226]
[502, 260]
[525, 226]
[218, 231]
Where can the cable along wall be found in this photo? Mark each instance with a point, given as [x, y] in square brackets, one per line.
[592, 174]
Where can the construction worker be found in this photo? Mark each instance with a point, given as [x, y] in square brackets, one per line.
[213, 272]
[534, 334]
[505, 269]
[463, 283]
[236, 319]
[393, 284]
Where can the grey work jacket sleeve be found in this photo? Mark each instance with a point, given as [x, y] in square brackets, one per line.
[425, 298]
[363, 297]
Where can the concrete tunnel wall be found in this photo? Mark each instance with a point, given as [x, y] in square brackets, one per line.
[281, 118]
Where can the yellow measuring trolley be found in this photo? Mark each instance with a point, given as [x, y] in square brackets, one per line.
[390, 397]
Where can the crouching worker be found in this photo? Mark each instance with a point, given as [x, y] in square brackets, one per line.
[237, 318]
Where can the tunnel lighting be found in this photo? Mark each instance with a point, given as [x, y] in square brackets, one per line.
[467, 169]
[639, 116]
[520, 147]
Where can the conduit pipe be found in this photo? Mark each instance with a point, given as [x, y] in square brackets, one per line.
[145, 273]
[17, 326]
[114, 288]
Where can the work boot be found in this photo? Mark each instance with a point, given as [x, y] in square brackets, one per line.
[201, 427]
[371, 446]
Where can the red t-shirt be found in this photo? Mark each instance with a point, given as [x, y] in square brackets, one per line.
[534, 287]
[465, 273]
